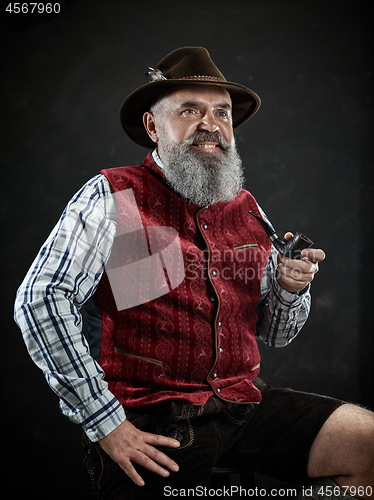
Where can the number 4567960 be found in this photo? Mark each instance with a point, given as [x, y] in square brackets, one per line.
[354, 491]
[33, 7]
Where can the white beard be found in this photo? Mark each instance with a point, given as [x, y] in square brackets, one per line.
[202, 178]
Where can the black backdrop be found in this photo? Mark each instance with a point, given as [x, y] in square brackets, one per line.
[307, 153]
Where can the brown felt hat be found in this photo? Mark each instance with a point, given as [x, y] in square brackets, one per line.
[184, 66]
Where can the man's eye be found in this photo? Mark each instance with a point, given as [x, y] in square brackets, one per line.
[222, 113]
[189, 111]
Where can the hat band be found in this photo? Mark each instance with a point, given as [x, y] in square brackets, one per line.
[201, 77]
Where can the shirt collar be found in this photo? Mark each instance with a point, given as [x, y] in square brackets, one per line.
[157, 160]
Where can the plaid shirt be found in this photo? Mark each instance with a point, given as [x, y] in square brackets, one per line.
[65, 275]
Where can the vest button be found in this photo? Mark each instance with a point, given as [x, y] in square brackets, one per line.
[212, 299]
[218, 390]
[220, 350]
[219, 323]
[214, 375]
[214, 273]
[205, 226]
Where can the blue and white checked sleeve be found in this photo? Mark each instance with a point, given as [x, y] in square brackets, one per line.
[63, 276]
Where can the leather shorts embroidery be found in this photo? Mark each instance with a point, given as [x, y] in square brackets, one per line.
[238, 413]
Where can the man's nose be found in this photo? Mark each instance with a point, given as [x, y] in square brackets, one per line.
[208, 122]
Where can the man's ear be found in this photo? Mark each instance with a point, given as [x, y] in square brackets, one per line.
[150, 126]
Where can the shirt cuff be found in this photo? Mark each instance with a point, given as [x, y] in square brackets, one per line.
[287, 298]
[100, 417]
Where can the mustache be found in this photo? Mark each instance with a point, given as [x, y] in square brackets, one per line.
[204, 136]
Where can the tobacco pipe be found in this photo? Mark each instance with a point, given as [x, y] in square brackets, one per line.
[290, 248]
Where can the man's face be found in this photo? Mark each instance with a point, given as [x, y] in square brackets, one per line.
[192, 109]
[195, 140]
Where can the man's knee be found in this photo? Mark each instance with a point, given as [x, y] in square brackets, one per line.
[345, 444]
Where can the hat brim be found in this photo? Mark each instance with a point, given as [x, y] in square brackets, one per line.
[245, 104]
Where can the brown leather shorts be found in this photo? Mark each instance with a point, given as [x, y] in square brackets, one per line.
[271, 438]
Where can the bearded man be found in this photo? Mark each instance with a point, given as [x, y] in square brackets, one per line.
[179, 281]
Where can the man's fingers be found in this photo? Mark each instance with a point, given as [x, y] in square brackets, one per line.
[303, 266]
[313, 254]
[151, 458]
[157, 455]
[160, 458]
[158, 440]
[298, 265]
[148, 461]
[127, 445]
[295, 274]
[288, 236]
[145, 460]
[130, 470]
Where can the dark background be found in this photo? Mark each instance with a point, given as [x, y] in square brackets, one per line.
[308, 157]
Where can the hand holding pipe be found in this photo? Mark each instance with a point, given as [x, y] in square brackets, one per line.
[290, 248]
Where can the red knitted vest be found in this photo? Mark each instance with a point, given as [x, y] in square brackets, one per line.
[197, 337]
